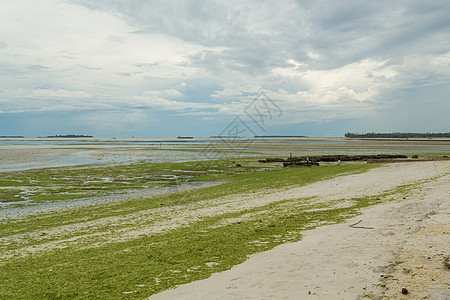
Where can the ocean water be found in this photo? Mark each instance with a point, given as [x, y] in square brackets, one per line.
[31, 153]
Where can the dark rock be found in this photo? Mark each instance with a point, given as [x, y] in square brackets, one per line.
[295, 158]
[405, 291]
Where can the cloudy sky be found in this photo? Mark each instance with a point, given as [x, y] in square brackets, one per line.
[169, 68]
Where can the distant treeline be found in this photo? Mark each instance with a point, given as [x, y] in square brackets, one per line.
[70, 136]
[397, 135]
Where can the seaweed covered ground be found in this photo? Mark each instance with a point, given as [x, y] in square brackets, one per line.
[134, 248]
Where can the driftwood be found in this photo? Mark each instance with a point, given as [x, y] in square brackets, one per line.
[363, 227]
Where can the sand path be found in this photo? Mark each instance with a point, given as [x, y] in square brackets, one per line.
[406, 248]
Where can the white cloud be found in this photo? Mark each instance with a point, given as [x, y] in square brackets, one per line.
[314, 55]
[358, 76]
[167, 93]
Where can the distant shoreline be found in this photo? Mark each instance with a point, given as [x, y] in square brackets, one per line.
[399, 135]
[422, 139]
[71, 136]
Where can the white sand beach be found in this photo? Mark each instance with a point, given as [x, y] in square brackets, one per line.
[402, 246]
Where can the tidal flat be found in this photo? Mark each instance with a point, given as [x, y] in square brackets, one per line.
[138, 244]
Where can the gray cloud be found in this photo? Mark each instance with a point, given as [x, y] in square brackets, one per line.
[90, 68]
[258, 35]
[38, 68]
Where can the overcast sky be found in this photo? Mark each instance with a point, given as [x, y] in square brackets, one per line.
[169, 68]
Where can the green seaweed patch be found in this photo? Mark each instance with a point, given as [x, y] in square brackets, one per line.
[153, 263]
[10, 195]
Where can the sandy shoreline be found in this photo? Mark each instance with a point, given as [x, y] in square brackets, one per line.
[406, 248]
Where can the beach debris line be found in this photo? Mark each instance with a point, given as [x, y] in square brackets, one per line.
[363, 227]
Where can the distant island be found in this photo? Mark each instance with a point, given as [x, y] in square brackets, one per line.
[397, 135]
[11, 136]
[70, 136]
